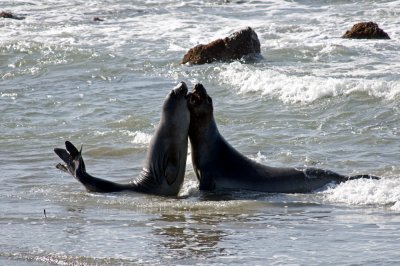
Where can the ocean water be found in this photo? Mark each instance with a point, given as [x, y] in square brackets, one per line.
[313, 99]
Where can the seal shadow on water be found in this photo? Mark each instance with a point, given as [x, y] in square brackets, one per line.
[164, 168]
[218, 166]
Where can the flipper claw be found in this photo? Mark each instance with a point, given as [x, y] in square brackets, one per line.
[62, 167]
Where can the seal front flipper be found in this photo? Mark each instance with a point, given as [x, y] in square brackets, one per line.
[171, 169]
[171, 173]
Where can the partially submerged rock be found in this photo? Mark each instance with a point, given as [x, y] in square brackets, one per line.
[4, 14]
[235, 46]
[366, 30]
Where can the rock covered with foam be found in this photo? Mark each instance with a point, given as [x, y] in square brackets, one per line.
[4, 14]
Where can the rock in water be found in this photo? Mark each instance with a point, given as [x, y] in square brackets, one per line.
[4, 14]
[366, 30]
[235, 46]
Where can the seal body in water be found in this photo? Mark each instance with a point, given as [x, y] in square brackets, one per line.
[219, 166]
[164, 168]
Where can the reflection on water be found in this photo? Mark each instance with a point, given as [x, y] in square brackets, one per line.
[260, 228]
[201, 229]
[190, 236]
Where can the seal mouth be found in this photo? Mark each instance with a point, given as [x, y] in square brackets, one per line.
[198, 94]
[195, 98]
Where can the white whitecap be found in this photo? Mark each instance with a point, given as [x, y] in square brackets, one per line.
[12, 96]
[139, 137]
[396, 206]
[293, 88]
[189, 188]
[259, 158]
[385, 191]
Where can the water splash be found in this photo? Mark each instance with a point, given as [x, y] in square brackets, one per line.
[366, 192]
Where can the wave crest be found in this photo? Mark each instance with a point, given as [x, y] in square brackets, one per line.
[292, 88]
[367, 192]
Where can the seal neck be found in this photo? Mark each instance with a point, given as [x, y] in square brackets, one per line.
[203, 131]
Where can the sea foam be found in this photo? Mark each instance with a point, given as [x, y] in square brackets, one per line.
[139, 137]
[385, 191]
[292, 88]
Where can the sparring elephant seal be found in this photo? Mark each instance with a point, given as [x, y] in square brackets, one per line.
[164, 168]
[218, 166]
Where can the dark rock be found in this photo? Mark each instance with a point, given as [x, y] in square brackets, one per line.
[366, 30]
[235, 46]
[97, 19]
[4, 14]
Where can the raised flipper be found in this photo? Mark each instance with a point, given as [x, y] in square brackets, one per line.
[76, 167]
[71, 158]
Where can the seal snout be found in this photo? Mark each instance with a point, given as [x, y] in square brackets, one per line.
[200, 90]
[198, 94]
[179, 89]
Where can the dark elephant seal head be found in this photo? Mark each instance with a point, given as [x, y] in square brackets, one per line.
[175, 109]
[201, 107]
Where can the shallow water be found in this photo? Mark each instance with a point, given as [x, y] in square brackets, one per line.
[313, 99]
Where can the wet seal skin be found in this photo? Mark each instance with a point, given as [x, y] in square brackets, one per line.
[219, 166]
[164, 169]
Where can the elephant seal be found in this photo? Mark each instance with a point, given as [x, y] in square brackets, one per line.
[164, 168]
[219, 166]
